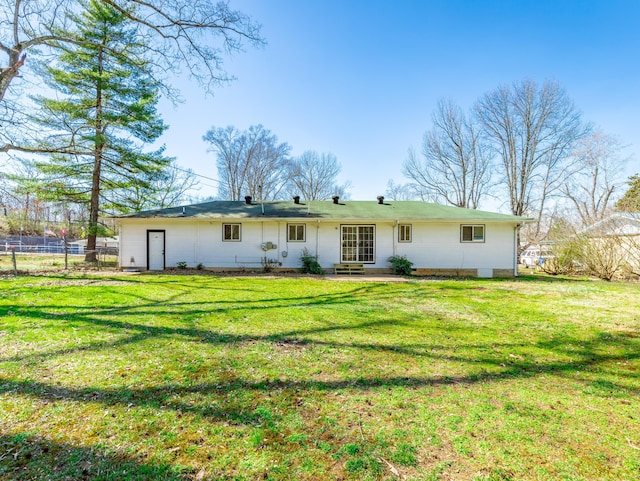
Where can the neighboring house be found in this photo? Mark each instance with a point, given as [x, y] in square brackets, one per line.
[226, 235]
[616, 224]
[108, 245]
[616, 240]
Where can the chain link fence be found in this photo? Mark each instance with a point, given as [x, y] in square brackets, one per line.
[29, 255]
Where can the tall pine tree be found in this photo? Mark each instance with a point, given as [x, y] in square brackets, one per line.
[101, 119]
[630, 201]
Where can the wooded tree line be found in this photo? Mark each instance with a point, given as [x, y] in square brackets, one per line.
[524, 145]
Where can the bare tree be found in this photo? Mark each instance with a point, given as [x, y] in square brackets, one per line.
[400, 191]
[454, 167]
[229, 145]
[191, 35]
[250, 162]
[165, 189]
[533, 130]
[313, 176]
[5, 193]
[598, 167]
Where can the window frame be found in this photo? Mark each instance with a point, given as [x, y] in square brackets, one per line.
[297, 225]
[402, 229]
[473, 239]
[224, 232]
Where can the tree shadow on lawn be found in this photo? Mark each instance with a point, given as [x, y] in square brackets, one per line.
[560, 356]
[28, 457]
[171, 396]
[574, 354]
[584, 350]
[375, 292]
[75, 314]
[54, 283]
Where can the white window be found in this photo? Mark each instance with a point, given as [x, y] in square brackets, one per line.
[231, 232]
[472, 233]
[296, 232]
[404, 233]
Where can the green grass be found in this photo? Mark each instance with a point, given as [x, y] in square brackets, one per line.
[52, 263]
[177, 377]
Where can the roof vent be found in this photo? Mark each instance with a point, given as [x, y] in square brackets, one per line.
[336, 199]
[296, 199]
[380, 199]
[247, 199]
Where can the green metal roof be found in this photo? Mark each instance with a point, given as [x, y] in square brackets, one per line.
[327, 210]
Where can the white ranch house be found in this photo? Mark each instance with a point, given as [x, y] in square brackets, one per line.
[234, 235]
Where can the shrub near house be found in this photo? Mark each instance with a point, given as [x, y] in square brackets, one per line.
[611, 247]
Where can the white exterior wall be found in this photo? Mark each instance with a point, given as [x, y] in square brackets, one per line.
[438, 246]
[133, 243]
[434, 245]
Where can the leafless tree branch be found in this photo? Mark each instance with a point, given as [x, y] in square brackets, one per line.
[455, 166]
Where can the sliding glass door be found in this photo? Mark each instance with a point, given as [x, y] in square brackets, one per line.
[358, 243]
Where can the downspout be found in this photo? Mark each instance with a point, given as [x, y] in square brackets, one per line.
[317, 236]
[120, 250]
[196, 246]
[395, 238]
[515, 250]
[279, 243]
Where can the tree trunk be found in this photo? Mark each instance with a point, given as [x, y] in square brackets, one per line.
[8, 74]
[94, 203]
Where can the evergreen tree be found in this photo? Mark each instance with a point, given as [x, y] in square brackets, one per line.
[104, 113]
[630, 201]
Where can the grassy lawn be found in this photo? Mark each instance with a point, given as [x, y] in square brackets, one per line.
[40, 263]
[178, 377]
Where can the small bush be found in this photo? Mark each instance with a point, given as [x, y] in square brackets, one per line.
[310, 264]
[401, 265]
[269, 264]
[200, 266]
[605, 257]
[181, 265]
[566, 258]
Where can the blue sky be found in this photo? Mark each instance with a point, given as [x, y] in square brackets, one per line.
[361, 78]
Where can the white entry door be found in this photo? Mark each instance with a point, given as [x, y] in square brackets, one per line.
[155, 249]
